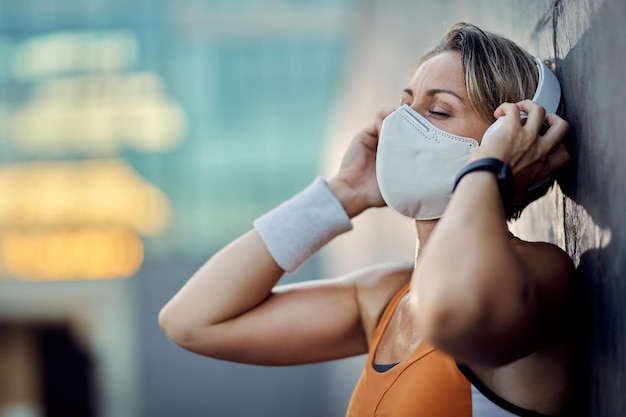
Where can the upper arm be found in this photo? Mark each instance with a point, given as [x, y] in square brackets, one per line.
[500, 317]
[550, 273]
[300, 323]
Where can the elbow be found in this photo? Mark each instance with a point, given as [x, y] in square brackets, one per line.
[165, 322]
[176, 328]
[192, 334]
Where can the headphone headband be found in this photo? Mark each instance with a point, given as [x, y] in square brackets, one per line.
[548, 92]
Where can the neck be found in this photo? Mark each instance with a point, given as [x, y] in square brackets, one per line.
[424, 229]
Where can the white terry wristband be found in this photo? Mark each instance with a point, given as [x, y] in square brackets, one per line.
[300, 226]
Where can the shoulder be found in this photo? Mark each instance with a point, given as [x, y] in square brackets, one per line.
[550, 271]
[548, 256]
[375, 286]
[544, 262]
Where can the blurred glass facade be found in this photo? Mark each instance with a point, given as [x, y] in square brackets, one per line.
[219, 104]
[136, 138]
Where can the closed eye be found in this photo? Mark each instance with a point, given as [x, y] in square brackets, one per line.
[437, 113]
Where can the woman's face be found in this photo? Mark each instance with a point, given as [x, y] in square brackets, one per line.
[437, 92]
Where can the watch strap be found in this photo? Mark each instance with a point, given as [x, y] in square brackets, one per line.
[504, 177]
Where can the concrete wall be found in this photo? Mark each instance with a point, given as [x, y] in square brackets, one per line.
[584, 214]
[587, 211]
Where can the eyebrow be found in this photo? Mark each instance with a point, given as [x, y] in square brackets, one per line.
[434, 91]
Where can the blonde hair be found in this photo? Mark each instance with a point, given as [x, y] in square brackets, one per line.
[496, 69]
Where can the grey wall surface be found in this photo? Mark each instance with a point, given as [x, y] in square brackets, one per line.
[587, 211]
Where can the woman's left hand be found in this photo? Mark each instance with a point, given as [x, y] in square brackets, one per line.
[532, 156]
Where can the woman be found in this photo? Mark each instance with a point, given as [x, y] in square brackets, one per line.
[479, 325]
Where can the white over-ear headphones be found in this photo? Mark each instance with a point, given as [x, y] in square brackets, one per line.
[547, 94]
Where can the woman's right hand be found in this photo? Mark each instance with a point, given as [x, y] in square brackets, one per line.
[355, 184]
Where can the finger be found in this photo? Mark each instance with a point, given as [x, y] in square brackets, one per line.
[557, 129]
[536, 115]
[374, 129]
[557, 122]
[509, 110]
[379, 126]
[511, 114]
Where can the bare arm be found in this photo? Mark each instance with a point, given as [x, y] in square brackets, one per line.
[483, 299]
[231, 308]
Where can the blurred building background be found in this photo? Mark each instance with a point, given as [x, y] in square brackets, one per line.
[137, 138]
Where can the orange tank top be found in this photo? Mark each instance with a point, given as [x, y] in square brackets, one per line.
[428, 383]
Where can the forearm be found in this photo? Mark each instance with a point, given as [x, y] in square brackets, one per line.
[469, 280]
[473, 225]
[241, 276]
[232, 292]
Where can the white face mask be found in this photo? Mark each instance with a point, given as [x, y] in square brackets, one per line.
[416, 164]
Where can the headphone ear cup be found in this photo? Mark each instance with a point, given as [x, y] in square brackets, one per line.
[548, 93]
[494, 126]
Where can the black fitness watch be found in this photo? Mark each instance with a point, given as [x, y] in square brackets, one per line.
[504, 176]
